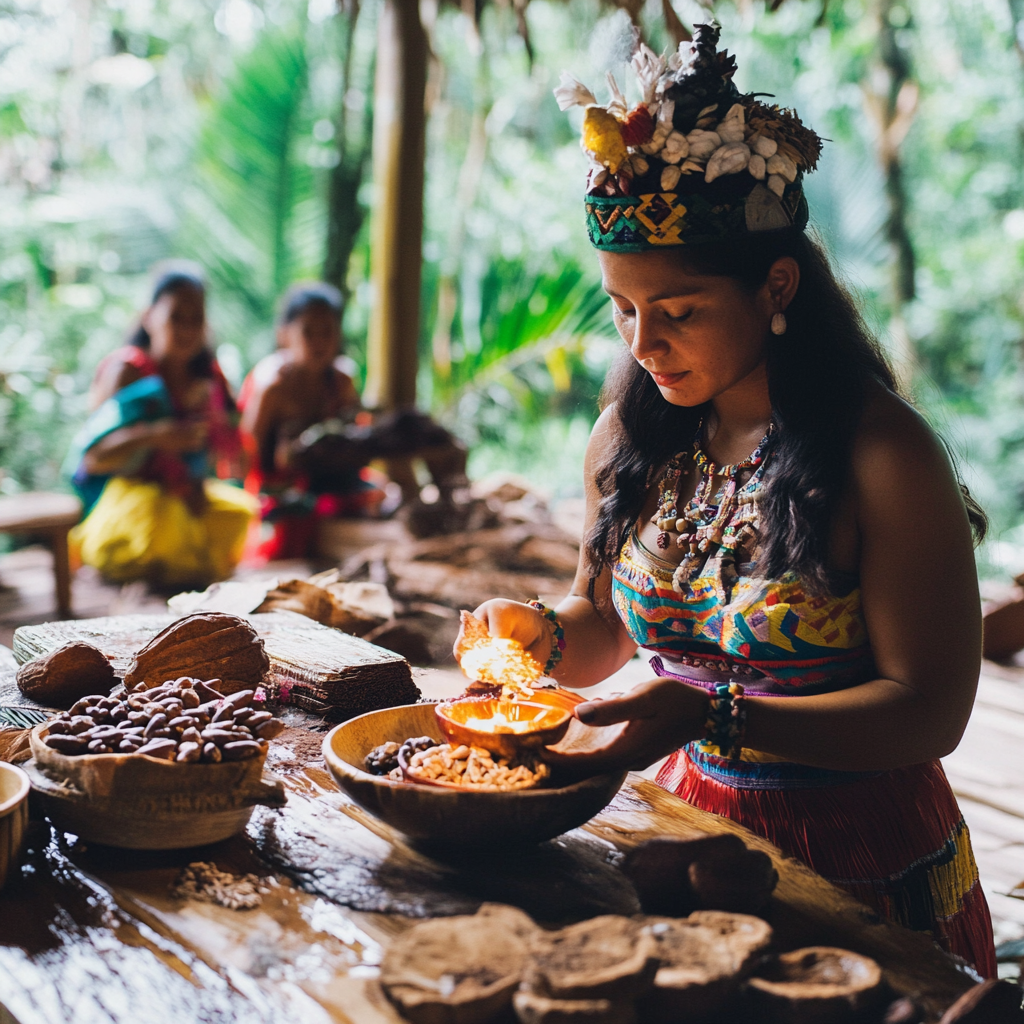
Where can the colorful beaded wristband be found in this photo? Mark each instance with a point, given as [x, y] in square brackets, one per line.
[726, 722]
[557, 635]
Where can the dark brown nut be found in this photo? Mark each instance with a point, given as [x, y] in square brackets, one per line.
[66, 744]
[120, 713]
[218, 736]
[132, 730]
[64, 677]
[211, 753]
[138, 717]
[210, 706]
[181, 723]
[242, 699]
[80, 723]
[106, 733]
[241, 750]
[156, 722]
[256, 718]
[58, 728]
[189, 752]
[98, 747]
[206, 645]
[196, 715]
[209, 691]
[268, 730]
[224, 713]
[162, 748]
[191, 735]
[190, 699]
[79, 708]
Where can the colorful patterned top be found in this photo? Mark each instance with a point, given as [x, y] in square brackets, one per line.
[771, 634]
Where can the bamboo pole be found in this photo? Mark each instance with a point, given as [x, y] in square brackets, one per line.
[396, 229]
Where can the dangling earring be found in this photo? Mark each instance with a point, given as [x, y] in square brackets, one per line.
[779, 323]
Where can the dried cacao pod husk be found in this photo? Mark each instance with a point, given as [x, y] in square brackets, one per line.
[65, 676]
[206, 645]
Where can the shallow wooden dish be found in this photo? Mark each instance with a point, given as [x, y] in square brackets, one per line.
[548, 724]
[451, 818]
[14, 787]
[145, 803]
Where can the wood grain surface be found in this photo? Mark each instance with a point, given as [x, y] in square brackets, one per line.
[94, 935]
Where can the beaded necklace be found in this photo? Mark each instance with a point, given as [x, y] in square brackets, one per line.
[722, 518]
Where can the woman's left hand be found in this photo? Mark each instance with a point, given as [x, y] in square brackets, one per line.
[661, 716]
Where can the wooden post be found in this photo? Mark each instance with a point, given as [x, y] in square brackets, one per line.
[396, 231]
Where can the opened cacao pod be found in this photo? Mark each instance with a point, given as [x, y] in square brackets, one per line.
[66, 675]
[207, 645]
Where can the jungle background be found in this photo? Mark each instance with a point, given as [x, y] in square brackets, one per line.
[237, 133]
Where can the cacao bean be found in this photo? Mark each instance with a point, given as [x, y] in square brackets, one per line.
[162, 748]
[191, 735]
[211, 753]
[218, 736]
[190, 699]
[58, 728]
[188, 752]
[258, 718]
[79, 724]
[241, 750]
[241, 699]
[224, 713]
[66, 744]
[268, 730]
[207, 691]
[129, 746]
[180, 723]
[98, 747]
[156, 722]
[79, 708]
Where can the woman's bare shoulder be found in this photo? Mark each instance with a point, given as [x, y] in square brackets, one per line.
[897, 456]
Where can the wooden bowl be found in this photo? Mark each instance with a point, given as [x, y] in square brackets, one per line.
[546, 724]
[447, 818]
[145, 803]
[14, 787]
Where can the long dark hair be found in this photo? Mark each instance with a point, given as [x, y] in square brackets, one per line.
[819, 375]
[176, 276]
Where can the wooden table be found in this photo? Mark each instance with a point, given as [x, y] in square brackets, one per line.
[50, 516]
[93, 935]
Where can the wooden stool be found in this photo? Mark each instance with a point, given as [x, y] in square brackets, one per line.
[49, 515]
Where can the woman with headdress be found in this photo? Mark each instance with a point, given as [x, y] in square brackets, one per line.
[765, 514]
[163, 418]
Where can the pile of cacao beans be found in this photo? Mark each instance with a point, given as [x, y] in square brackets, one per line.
[186, 720]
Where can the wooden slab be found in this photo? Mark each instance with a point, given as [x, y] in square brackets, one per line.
[94, 935]
[311, 666]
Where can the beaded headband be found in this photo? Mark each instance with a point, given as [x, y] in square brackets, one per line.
[695, 160]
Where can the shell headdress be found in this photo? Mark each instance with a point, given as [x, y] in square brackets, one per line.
[695, 160]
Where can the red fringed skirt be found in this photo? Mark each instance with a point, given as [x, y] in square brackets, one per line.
[895, 840]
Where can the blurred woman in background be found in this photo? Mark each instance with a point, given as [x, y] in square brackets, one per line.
[163, 422]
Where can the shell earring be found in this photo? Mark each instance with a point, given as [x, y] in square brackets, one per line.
[779, 323]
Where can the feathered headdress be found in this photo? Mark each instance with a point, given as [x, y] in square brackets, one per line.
[695, 160]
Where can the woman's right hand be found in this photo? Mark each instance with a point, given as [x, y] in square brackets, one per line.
[515, 621]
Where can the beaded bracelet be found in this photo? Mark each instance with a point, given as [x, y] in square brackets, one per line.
[557, 637]
[726, 722]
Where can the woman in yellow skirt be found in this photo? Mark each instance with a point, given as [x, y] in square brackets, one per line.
[163, 420]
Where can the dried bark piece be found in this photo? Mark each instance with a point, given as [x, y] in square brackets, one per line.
[704, 958]
[816, 985]
[207, 645]
[532, 1008]
[64, 677]
[458, 970]
[991, 1002]
[607, 957]
[674, 877]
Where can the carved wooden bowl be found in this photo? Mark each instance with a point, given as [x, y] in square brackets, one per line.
[532, 724]
[449, 818]
[14, 787]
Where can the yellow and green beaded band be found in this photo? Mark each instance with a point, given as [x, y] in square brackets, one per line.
[726, 722]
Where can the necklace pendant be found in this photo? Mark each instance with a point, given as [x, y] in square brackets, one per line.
[663, 539]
